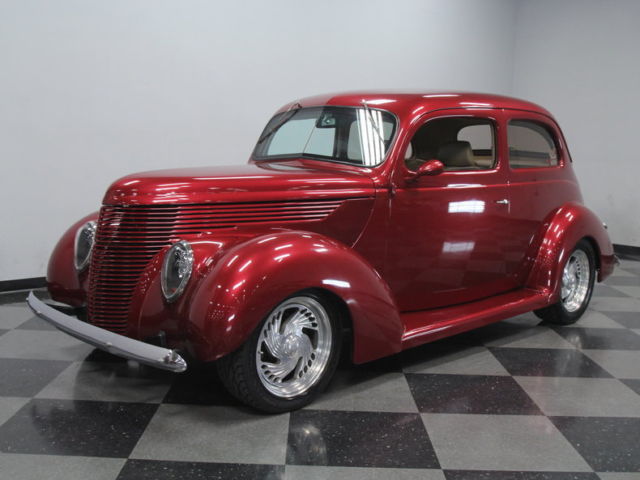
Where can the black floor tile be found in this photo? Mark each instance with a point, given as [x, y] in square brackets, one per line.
[498, 475]
[392, 363]
[494, 332]
[359, 439]
[470, 394]
[73, 427]
[607, 444]
[100, 356]
[633, 384]
[26, 377]
[600, 338]
[548, 362]
[19, 297]
[161, 470]
[628, 319]
[199, 386]
[434, 351]
[36, 323]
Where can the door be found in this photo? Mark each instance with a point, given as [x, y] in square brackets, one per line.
[540, 181]
[447, 237]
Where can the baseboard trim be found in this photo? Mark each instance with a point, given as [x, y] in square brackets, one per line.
[627, 251]
[22, 284]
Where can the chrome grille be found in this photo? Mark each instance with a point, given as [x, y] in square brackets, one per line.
[128, 237]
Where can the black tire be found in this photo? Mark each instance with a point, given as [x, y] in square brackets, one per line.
[239, 372]
[557, 313]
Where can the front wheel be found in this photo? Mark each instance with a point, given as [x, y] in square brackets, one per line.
[290, 357]
[578, 277]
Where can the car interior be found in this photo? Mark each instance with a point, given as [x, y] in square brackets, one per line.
[460, 143]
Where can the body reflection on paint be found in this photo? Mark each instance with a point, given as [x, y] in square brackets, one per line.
[467, 206]
[307, 439]
[458, 247]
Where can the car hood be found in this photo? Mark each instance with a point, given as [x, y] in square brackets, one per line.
[243, 183]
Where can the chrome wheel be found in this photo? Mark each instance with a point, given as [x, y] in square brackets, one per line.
[575, 281]
[294, 347]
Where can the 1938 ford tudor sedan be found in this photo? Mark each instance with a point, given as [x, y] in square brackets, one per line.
[370, 220]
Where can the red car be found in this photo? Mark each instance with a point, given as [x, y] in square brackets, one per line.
[376, 221]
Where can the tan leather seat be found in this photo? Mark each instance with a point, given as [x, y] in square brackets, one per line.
[456, 155]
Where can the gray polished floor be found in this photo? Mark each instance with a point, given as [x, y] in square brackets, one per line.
[514, 400]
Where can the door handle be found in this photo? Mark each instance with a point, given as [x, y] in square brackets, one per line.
[504, 201]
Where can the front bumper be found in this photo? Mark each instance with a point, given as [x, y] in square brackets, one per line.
[119, 345]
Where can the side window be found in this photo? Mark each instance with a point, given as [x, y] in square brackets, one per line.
[531, 145]
[480, 137]
[460, 143]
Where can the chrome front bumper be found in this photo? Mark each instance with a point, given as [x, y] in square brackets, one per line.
[119, 345]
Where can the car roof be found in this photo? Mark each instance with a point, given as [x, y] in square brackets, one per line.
[406, 102]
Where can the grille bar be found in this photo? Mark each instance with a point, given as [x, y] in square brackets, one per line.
[128, 237]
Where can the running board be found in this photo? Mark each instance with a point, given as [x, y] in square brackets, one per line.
[429, 325]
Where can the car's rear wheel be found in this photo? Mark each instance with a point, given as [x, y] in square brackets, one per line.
[290, 357]
[578, 277]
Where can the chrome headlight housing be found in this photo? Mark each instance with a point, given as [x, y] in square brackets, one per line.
[85, 237]
[176, 270]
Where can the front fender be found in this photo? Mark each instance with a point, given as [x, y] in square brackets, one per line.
[63, 281]
[249, 277]
[563, 230]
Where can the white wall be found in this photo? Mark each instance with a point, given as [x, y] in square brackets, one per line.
[581, 59]
[93, 90]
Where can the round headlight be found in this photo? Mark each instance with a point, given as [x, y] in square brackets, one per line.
[85, 237]
[176, 270]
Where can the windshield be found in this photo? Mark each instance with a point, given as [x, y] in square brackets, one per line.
[355, 135]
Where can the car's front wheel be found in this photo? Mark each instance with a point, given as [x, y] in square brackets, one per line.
[578, 277]
[290, 357]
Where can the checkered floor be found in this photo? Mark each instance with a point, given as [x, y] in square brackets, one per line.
[514, 400]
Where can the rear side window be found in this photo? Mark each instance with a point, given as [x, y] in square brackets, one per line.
[531, 145]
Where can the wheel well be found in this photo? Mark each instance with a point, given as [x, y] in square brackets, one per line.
[345, 316]
[596, 250]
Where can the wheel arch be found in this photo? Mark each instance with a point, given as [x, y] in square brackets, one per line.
[64, 282]
[562, 231]
[596, 250]
[251, 277]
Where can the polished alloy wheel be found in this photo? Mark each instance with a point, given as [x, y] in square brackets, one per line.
[575, 281]
[294, 347]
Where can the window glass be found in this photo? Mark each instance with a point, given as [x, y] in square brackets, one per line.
[460, 143]
[531, 145]
[291, 137]
[360, 136]
[321, 142]
[354, 143]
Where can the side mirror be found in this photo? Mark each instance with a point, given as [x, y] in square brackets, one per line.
[430, 167]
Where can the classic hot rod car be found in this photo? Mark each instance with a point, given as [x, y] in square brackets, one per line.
[376, 221]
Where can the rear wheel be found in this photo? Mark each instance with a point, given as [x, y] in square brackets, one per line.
[290, 357]
[578, 277]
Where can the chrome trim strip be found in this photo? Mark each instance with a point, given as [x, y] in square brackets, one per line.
[119, 345]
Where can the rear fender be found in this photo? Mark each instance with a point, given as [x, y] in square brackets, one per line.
[563, 230]
[246, 278]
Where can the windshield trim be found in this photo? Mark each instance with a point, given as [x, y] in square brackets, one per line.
[320, 158]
